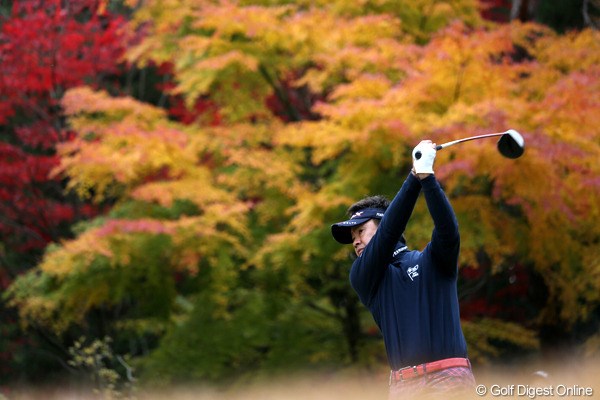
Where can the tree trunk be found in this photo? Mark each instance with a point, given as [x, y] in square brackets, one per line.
[523, 10]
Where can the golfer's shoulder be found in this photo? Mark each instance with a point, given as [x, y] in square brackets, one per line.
[410, 256]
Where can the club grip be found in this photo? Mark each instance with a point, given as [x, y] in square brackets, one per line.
[418, 153]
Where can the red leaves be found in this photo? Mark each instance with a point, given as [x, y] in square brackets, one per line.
[38, 135]
[46, 47]
[507, 291]
[202, 109]
[496, 10]
[45, 50]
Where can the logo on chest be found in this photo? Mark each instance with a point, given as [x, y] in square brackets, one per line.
[413, 272]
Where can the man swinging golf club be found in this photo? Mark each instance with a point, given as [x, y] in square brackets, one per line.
[411, 294]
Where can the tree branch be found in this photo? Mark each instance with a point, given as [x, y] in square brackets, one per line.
[290, 110]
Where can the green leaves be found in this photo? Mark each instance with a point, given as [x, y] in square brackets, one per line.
[490, 337]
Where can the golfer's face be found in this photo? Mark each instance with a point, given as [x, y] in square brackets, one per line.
[362, 234]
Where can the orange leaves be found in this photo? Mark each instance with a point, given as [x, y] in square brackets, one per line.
[128, 149]
[459, 66]
[567, 110]
[122, 155]
[121, 143]
[195, 188]
[84, 100]
[575, 51]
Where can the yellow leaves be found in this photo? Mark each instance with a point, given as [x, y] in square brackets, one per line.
[164, 14]
[197, 46]
[275, 251]
[576, 296]
[197, 188]
[317, 33]
[36, 308]
[219, 47]
[84, 100]
[311, 209]
[219, 53]
[75, 256]
[342, 53]
[196, 80]
[225, 52]
[574, 51]
[328, 140]
[205, 237]
[224, 60]
[422, 18]
[124, 151]
[365, 31]
[228, 19]
[122, 154]
[483, 226]
[117, 241]
[365, 86]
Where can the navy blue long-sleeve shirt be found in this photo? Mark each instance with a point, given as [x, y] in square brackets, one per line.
[412, 295]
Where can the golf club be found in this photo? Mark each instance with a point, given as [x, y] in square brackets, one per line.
[511, 144]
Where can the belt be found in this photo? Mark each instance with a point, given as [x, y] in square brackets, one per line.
[422, 369]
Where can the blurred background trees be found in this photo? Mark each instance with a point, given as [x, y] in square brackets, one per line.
[170, 170]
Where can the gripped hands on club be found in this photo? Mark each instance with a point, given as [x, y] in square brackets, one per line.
[423, 157]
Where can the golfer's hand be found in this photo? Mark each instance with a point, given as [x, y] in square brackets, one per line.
[423, 157]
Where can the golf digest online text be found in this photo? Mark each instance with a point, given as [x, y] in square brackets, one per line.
[534, 392]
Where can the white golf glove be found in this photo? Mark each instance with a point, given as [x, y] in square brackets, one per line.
[423, 157]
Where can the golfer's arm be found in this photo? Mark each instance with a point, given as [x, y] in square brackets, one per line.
[445, 239]
[368, 269]
[396, 217]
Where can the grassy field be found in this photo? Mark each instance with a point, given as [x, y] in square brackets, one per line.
[566, 378]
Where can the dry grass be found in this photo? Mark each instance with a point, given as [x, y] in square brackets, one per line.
[564, 374]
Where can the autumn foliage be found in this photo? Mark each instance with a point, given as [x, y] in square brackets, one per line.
[45, 49]
[217, 248]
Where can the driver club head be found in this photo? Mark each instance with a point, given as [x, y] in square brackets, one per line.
[511, 144]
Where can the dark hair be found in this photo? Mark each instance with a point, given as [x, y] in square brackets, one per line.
[369, 202]
[377, 201]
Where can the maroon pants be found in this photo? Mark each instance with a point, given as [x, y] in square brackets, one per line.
[447, 383]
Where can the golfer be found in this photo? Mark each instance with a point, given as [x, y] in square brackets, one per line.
[411, 294]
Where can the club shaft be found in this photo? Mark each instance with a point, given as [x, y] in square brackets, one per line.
[448, 144]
